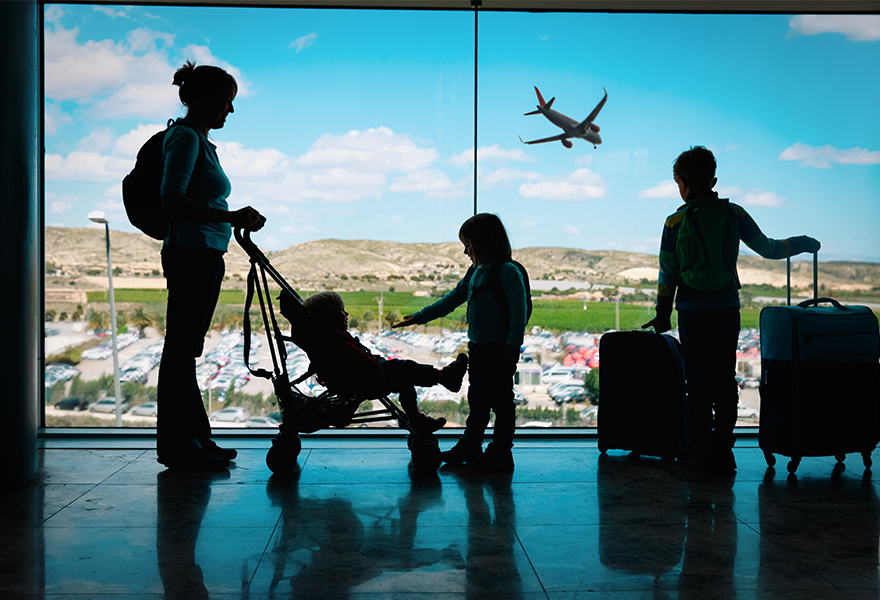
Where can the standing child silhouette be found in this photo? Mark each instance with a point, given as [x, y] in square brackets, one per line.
[495, 336]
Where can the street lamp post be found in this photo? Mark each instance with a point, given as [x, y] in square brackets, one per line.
[97, 216]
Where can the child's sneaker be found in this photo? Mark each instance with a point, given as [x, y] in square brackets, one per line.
[494, 459]
[422, 423]
[461, 453]
[452, 374]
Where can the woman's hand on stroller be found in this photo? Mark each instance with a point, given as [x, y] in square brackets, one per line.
[407, 321]
[248, 218]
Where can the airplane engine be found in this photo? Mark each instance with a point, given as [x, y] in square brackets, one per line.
[566, 143]
[594, 127]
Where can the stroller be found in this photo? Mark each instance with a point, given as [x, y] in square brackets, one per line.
[335, 407]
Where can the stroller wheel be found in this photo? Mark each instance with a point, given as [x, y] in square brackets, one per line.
[282, 455]
[412, 440]
[426, 456]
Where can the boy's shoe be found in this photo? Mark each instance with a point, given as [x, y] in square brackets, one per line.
[452, 374]
[461, 453]
[494, 459]
[422, 423]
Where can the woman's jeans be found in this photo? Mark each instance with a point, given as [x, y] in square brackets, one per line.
[193, 276]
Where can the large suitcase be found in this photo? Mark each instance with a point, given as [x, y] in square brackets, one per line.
[820, 380]
[641, 394]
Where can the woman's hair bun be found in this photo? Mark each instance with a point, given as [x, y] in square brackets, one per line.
[183, 73]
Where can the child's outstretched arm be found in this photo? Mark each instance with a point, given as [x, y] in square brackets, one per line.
[407, 321]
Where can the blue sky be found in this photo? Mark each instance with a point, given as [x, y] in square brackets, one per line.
[360, 124]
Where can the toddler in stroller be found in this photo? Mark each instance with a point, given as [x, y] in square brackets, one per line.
[395, 375]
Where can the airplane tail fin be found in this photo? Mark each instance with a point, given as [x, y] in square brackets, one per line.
[549, 104]
[540, 97]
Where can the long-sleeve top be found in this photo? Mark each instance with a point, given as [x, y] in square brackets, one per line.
[209, 185]
[486, 322]
[669, 281]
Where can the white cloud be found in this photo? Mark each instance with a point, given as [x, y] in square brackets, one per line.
[506, 175]
[528, 224]
[664, 189]
[97, 141]
[244, 163]
[580, 185]
[59, 203]
[585, 160]
[396, 219]
[53, 118]
[303, 229]
[428, 180]
[128, 144]
[649, 245]
[730, 147]
[128, 78]
[494, 152]
[112, 13]
[858, 28]
[305, 41]
[86, 166]
[53, 13]
[752, 197]
[570, 230]
[376, 150]
[822, 156]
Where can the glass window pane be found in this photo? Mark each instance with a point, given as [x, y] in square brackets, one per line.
[783, 102]
[348, 134]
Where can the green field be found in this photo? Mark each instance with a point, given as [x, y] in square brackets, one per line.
[553, 314]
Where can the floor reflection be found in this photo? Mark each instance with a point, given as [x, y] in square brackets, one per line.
[491, 541]
[181, 503]
[829, 524]
[327, 547]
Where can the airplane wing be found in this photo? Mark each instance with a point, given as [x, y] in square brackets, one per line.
[555, 138]
[596, 110]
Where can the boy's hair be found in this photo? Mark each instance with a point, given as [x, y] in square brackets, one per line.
[695, 167]
[485, 234]
[323, 304]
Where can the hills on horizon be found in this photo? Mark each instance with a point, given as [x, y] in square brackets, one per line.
[78, 254]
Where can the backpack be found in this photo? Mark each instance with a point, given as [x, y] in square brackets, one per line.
[708, 244]
[494, 286]
[141, 188]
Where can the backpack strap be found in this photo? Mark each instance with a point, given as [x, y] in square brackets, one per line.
[200, 161]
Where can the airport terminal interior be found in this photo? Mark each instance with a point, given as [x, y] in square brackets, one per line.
[356, 520]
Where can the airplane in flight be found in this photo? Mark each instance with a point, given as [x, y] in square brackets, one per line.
[585, 130]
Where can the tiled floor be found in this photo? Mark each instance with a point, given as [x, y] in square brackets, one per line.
[356, 521]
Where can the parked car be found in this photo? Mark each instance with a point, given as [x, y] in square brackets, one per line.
[519, 399]
[147, 409]
[745, 412]
[236, 414]
[263, 421]
[108, 405]
[72, 404]
[578, 395]
[566, 384]
[557, 373]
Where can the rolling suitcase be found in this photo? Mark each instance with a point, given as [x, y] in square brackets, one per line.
[820, 380]
[641, 393]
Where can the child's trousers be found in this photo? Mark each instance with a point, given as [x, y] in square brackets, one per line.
[490, 387]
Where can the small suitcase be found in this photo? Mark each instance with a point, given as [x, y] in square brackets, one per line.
[641, 394]
[820, 380]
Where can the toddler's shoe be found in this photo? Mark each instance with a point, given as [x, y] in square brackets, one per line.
[422, 423]
[452, 374]
[494, 459]
[461, 453]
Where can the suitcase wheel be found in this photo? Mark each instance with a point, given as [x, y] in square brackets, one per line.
[866, 458]
[840, 457]
[793, 464]
[771, 460]
[602, 448]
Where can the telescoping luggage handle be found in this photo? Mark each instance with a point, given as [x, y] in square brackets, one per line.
[815, 300]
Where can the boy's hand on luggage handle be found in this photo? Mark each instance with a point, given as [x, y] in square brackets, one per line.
[660, 325]
[804, 243]
[248, 218]
[407, 321]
